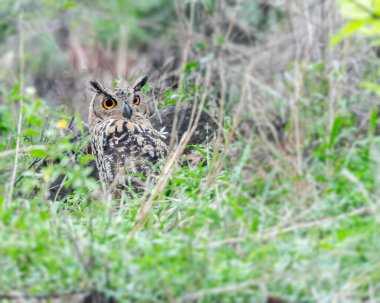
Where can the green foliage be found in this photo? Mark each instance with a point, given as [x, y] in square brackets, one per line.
[239, 226]
[363, 16]
[198, 237]
[129, 15]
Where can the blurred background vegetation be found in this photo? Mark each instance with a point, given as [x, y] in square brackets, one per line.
[283, 205]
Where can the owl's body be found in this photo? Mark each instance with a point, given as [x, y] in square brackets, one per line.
[124, 143]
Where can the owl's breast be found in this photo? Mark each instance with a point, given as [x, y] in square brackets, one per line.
[125, 147]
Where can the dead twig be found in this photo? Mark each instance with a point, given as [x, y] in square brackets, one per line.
[273, 232]
[16, 295]
[217, 290]
[21, 150]
[166, 174]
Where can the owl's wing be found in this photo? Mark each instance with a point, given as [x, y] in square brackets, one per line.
[109, 142]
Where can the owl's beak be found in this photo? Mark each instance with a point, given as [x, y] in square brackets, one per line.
[127, 111]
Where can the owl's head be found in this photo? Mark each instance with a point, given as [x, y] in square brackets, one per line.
[116, 103]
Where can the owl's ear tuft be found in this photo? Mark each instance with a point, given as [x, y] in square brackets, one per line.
[96, 87]
[140, 82]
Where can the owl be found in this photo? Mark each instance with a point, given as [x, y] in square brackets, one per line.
[125, 145]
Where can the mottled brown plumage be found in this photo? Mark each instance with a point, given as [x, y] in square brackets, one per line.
[124, 143]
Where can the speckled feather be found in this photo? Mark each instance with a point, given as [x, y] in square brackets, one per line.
[125, 149]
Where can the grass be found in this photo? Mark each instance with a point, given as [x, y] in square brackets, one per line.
[284, 205]
[306, 238]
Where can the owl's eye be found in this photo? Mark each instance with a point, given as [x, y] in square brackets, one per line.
[109, 103]
[136, 100]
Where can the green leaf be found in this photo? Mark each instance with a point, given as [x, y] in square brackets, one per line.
[219, 39]
[346, 31]
[31, 132]
[198, 149]
[372, 87]
[190, 66]
[373, 122]
[80, 123]
[15, 93]
[375, 43]
[85, 159]
[338, 123]
[38, 153]
[69, 5]
[353, 9]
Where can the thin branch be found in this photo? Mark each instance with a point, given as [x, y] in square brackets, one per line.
[166, 174]
[20, 150]
[19, 124]
[216, 291]
[273, 232]
[14, 295]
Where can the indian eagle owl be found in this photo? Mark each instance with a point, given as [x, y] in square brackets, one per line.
[124, 143]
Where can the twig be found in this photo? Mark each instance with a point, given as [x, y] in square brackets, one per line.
[19, 124]
[270, 233]
[20, 150]
[162, 182]
[217, 290]
[20, 295]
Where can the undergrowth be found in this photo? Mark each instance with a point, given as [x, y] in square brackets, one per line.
[291, 212]
[214, 235]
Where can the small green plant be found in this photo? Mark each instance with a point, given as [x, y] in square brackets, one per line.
[363, 16]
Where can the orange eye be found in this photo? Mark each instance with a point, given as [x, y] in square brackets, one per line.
[109, 103]
[136, 100]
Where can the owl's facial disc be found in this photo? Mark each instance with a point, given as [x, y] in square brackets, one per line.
[127, 111]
